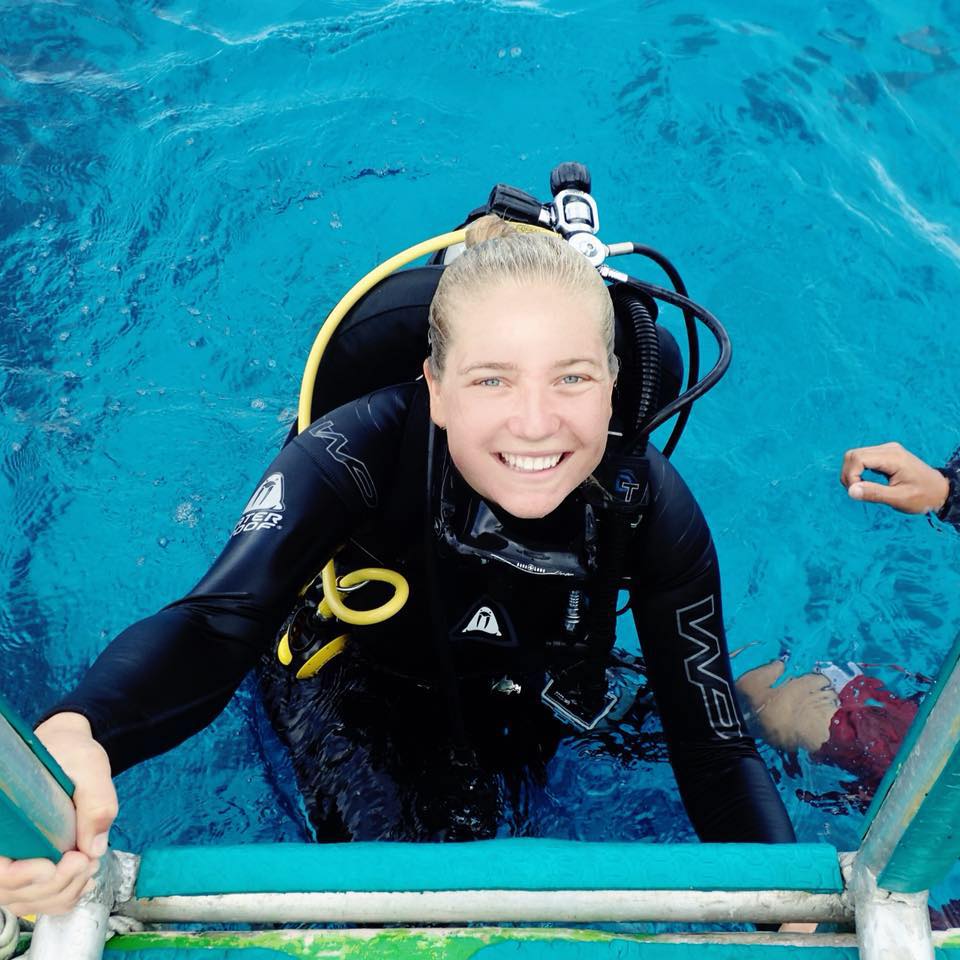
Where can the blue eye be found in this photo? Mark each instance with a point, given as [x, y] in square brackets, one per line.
[572, 378]
[489, 382]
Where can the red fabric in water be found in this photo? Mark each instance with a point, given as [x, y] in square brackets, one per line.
[867, 729]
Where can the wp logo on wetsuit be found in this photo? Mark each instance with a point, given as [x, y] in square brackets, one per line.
[265, 509]
[717, 696]
[337, 448]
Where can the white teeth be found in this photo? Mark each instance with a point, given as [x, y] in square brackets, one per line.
[530, 464]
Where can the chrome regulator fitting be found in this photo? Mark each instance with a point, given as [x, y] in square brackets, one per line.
[572, 213]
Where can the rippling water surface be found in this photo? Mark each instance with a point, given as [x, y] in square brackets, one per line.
[186, 189]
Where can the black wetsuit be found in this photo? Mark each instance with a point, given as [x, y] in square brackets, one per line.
[359, 475]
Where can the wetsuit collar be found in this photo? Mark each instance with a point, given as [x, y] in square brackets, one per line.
[561, 544]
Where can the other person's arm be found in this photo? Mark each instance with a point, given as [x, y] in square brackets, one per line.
[913, 486]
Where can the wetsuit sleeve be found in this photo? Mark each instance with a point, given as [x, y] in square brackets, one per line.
[675, 594]
[166, 677]
[950, 511]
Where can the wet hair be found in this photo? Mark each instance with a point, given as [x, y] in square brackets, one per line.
[498, 253]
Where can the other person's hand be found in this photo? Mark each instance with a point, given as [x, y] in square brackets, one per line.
[912, 487]
[39, 885]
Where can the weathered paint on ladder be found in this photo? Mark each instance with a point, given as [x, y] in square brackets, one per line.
[911, 839]
[472, 944]
[37, 817]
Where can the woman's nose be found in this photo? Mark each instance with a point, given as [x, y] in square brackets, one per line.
[534, 417]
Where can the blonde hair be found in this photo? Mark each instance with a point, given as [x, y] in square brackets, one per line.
[497, 252]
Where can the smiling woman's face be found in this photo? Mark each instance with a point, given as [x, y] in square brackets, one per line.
[525, 395]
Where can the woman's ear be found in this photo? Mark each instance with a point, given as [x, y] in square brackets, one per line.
[437, 406]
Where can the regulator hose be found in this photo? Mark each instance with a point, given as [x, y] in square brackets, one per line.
[710, 379]
[644, 373]
[693, 342]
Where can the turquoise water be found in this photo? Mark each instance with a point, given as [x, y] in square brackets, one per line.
[186, 189]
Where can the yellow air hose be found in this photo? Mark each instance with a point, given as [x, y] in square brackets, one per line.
[332, 604]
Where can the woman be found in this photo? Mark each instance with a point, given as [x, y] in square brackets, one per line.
[504, 433]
